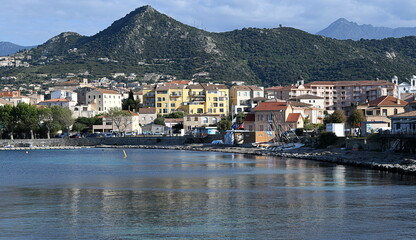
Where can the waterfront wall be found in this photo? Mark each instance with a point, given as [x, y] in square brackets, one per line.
[93, 141]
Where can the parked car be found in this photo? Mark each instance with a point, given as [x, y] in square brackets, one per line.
[77, 135]
[62, 135]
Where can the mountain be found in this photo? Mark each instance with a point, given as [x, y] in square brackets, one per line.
[8, 48]
[343, 29]
[146, 41]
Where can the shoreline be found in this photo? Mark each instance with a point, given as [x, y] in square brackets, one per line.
[403, 163]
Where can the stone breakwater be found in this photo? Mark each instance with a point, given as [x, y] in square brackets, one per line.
[392, 162]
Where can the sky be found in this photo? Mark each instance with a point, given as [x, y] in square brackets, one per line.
[32, 22]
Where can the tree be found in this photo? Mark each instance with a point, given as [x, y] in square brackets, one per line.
[338, 116]
[130, 103]
[160, 120]
[355, 118]
[224, 124]
[175, 115]
[7, 123]
[119, 118]
[83, 124]
[61, 118]
[239, 118]
[26, 117]
[45, 120]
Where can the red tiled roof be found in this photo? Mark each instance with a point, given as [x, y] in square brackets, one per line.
[184, 82]
[271, 106]
[55, 100]
[405, 114]
[293, 117]
[387, 101]
[101, 90]
[274, 88]
[147, 110]
[351, 83]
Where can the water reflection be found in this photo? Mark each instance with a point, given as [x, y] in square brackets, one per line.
[194, 195]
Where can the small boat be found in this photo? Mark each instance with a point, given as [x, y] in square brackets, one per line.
[124, 154]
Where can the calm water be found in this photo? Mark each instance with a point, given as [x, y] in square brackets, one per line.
[159, 194]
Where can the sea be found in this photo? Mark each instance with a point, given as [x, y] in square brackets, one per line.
[165, 194]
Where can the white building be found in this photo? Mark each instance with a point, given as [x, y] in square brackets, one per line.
[65, 94]
[64, 103]
[102, 100]
[405, 88]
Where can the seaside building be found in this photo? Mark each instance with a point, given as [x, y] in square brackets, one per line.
[241, 98]
[128, 123]
[200, 120]
[147, 116]
[64, 103]
[338, 94]
[102, 100]
[381, 108]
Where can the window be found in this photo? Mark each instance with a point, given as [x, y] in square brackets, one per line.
[395, 111]
[384, 112]
[195, 118]
[172, 105]
[159, 105]
[205, 120]
[369, 113]
[214, 120]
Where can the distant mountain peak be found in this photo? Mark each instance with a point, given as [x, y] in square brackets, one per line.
[343, 29]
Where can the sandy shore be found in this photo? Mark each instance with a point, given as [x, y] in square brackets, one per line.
[387, 161]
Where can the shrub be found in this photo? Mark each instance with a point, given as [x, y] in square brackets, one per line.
[326, 139]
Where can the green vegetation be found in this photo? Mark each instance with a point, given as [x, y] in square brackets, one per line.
[338, 116]
[146, 41]
[26, 121]
[160, 120]
[225, 123]
[175, 115]
[130, 103]
[326, 139]
[84, 124]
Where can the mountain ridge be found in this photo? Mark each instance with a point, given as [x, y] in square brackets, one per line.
[342, 29]
[8, 48]
[146, 41]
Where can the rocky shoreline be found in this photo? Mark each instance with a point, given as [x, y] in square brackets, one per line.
[404, 163]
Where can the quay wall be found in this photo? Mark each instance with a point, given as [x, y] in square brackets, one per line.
[54, 142]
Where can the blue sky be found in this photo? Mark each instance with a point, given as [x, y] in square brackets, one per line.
[30, 22]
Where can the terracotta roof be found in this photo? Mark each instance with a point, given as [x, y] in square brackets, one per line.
[179, 82]
[405, 114]
[55, 100]
[250, 118]
[293, 117]
[308, 96]
[147, 110]
[273, 88]
[299, 104]
[195, 86]
[351, 83]
[271, 106]
[241, 88]
[170, 86]
[131, 113]
[214, 86]
[106, 91]
[5, 102]
[173, 120]
[387, 101]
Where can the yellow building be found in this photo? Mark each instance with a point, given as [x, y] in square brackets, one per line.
[191, 99]
[170, 98]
